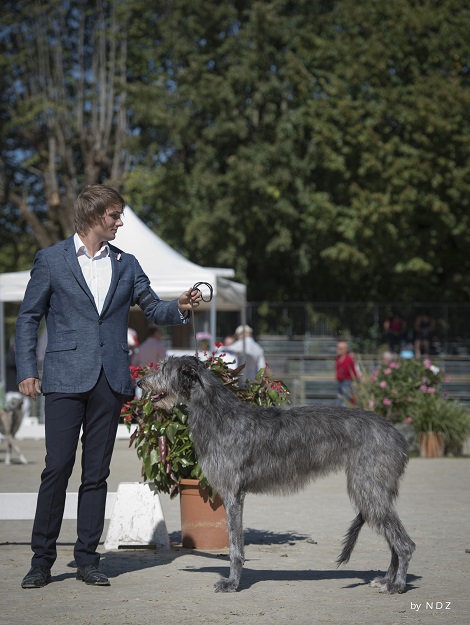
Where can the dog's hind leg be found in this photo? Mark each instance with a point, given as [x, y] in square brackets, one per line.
[234, 509]
[402, 548]
[380, 582]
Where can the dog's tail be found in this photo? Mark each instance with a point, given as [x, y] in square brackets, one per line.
[350, 539]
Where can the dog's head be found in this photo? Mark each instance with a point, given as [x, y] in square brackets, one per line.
[173, 381]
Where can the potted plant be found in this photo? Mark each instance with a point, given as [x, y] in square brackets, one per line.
[439, 423]
[163, 440]
[410, 394]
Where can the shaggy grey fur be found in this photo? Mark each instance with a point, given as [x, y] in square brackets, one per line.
[247, 449]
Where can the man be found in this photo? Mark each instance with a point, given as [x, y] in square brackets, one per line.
[84, 287]
[248, 351]
[345, 372]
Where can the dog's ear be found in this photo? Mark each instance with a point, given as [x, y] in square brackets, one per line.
[191, 372]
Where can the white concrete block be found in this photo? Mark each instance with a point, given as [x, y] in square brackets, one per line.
[137, 518]
[22, 506]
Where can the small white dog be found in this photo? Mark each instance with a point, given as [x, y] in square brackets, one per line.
[10, 421]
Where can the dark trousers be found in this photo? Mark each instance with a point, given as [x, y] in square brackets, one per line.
[98, 412]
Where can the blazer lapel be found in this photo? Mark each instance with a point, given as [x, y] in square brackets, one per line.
[116, 264]
[72, 261]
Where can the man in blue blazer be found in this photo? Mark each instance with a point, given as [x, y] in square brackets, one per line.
[84, 287]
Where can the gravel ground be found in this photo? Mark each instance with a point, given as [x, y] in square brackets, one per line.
[290, 575]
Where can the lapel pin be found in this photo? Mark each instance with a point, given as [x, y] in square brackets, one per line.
[118, 257]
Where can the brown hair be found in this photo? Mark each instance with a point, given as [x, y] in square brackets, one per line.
[91, 205]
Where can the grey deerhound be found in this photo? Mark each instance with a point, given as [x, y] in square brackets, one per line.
[249, 449]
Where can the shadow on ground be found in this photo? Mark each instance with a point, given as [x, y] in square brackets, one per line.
[250, 577]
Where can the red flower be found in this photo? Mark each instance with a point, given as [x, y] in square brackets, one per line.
[218, 344]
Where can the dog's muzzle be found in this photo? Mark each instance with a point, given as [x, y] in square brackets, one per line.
[158, 396]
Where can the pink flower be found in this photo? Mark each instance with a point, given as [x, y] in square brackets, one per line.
[423, 388]
[427, 363]
[394, 365]
[387, 371]
[431, 389]
[408, 420]
[387, 402]
[371, 403]
[447, 378]
[383, 384]
[394, 391]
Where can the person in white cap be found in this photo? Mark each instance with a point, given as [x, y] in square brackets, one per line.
[248, 351]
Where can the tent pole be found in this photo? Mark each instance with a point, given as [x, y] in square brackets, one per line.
[213, 319]
[243, 320]
[2, 355]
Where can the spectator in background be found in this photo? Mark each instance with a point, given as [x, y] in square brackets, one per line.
[151, 350]
[248, 351]
[395, 331]
[423, 328]
[345, 372]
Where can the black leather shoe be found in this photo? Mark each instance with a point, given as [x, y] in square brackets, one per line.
[92, 575]
[37, 577]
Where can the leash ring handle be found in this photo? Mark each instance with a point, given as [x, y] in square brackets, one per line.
[209, 286]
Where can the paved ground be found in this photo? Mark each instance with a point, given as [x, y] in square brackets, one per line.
[290, 574]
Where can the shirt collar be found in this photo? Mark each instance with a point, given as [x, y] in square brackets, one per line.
[80, 248]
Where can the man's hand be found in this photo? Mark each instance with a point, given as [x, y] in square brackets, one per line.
[189, 299]
[30, 387]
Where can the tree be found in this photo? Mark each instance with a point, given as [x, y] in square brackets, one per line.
[63, 107]
[319, 148]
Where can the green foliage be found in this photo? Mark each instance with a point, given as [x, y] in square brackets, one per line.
[332, 136]
[162, 438]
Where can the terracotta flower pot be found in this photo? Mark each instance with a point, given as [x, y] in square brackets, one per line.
[203, 522]
[431, 444]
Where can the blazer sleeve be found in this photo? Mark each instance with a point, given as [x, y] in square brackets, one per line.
[158, 311]
[32, 310]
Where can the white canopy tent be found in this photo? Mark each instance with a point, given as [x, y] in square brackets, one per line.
[169, 272]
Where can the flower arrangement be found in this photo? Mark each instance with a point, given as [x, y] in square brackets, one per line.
[411, 392]
[162, 438]
[392, 387]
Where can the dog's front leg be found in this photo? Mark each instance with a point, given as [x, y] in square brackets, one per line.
[234, 509]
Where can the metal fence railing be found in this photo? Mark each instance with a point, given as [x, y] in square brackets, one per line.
[361, 322]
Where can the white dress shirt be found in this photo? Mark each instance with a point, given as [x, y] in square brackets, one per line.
[97, 270]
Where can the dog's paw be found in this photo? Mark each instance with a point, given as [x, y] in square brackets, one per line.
[392, 588]
[379, 582]
[225, 585]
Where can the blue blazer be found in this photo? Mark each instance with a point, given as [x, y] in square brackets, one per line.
[80, 340]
